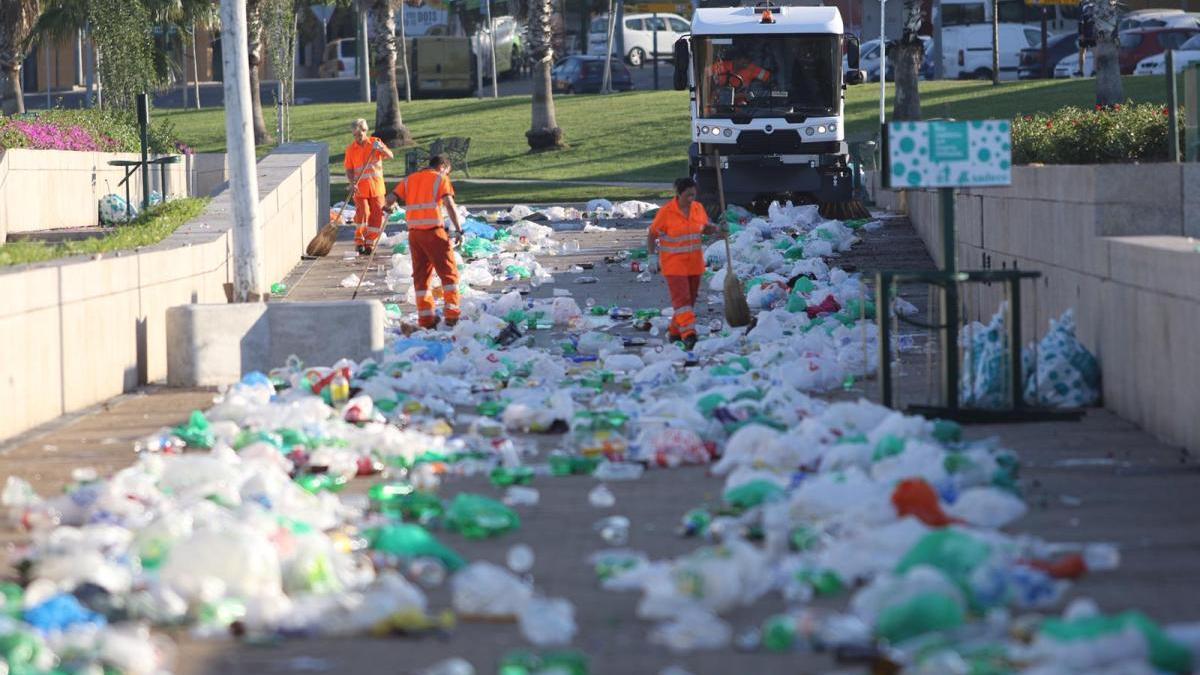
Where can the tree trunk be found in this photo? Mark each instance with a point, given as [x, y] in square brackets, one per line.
[254, 28]
[1109, 88]
[908, 57]
[388, 125]
[11, 95]
[543, 133]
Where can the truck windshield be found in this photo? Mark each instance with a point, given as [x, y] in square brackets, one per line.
[767, 76]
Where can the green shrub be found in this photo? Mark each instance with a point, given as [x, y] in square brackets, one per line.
[1123, 133]
[150, 227]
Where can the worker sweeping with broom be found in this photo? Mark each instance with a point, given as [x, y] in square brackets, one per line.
[364, 172]
[676, 234]
[429, 199]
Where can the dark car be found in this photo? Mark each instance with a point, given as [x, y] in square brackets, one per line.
[1057, 48]
[583, 74]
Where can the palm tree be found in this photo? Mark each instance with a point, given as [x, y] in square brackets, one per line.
[544, 133]
[388, 125]
[909, 51]
[1109, 89]
[254, 31]
[17, 18]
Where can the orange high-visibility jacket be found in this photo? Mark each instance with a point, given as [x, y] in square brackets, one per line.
[422, 193]
[371, 184]
[680, 251]
[723, 70]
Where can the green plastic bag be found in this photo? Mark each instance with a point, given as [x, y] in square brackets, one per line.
[478, 517]
[953, 552]
[409, 540]
[197, 433]
[1165, 653]
[750, 495]
[921, 614]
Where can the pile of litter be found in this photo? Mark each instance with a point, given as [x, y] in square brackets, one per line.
[237, 523]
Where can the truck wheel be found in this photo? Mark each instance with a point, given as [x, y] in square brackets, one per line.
[636, 57]
[982, 74]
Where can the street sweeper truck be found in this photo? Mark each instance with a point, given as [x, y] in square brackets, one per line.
[766, 86]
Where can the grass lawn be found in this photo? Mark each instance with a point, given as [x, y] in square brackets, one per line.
[151, 227]
[636, 136]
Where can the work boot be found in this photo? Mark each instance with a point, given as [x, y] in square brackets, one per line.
[451, 322]
[689, 342]
[362, 250]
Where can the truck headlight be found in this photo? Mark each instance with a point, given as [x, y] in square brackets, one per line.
[716, 131]
[821, 129]
[728, 133]
[704, 130]
[808, 131]
[833, 126]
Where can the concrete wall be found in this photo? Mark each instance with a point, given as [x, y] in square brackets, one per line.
[1114, 242]
[77, 331]
[51, 189]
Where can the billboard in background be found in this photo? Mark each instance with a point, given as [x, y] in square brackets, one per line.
[422, 16]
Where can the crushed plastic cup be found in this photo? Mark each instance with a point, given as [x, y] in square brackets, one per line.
[601, 497]
[519, 558]
[614, 530]
[548, 621]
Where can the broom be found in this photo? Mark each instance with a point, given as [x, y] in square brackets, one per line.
[322, 244]
[737, 311]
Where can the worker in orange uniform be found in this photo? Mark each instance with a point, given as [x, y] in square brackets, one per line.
[364, 162]
[737, 70]
[429, 198]
[676, 235]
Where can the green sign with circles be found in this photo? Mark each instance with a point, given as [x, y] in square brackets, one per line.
[975, 153]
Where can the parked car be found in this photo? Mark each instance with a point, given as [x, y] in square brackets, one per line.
[639, 36]
[1187, 54]
[1157, 18]
[340, 60]
[967, 50]
[1058, 47]
[509, 51]
[1136, 44]
[584, 73]
[926, 72]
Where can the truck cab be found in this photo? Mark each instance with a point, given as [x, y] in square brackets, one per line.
[766, 87]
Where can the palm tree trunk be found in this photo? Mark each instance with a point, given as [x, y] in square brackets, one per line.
[909, 51]
[254, 29]
[389, 127]
[543, 133]
[1109, 89]
[908, 57]
[11, 95]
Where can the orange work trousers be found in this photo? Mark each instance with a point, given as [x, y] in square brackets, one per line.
[432, 251]
[368, 215]
[684, 290]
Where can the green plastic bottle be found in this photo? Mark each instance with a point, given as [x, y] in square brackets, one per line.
[410, 540]
[503, 476]
[278, 288]
[478, 517]
[779, 633]
[921, 614]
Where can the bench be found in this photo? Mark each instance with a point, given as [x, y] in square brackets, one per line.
[456, 147]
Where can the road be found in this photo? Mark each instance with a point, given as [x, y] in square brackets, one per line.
[1096, 480]
[323, 91]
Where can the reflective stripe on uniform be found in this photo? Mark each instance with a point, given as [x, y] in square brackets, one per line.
[421, 294]
[685, 308]
[452, 288]
[425, 312]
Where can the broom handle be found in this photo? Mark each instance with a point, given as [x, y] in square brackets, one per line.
[721, 201]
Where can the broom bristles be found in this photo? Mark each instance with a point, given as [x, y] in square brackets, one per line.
[849, 210]
[737, 310]
[322, 244]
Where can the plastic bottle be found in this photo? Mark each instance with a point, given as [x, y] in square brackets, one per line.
[278, 288]
[614, 530]
[520, 558]
[521, 496]
[339, 389]
[618, 471]
[548, 621]
[451, 666]
[478, 517]
[601, 497]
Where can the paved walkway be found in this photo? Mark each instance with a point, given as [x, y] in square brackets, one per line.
[1100, 479]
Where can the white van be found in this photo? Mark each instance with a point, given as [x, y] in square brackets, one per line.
[639, 36]
[967, 52]
[1059, 18]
